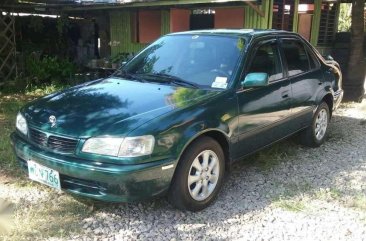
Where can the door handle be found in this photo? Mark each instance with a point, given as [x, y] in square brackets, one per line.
[285, 94]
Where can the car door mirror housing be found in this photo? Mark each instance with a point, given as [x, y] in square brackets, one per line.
[255, 80]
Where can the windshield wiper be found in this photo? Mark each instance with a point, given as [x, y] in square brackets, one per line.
[172, 79]
[124, 74]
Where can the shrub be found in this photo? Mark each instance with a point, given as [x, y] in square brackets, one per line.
[47, 69]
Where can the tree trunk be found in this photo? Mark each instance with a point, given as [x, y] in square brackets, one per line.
[355, 79]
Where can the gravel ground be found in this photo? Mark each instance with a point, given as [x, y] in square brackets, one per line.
[289, 193]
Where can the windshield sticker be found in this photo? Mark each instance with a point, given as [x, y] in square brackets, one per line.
[220, 82]
[195, 37]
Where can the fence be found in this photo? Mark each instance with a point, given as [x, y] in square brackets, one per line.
[8, 66]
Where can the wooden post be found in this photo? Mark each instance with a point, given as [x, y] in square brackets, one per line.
[316, 22]
[270, 14]
[295, 24]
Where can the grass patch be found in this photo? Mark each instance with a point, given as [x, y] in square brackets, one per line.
[294, 197]
[8, 109]
[357, 202]
[328, 194]
[274, 155]
[292, 205]
[354, 200]
[59, 217]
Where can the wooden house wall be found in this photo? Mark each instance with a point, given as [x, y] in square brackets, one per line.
[120, 25]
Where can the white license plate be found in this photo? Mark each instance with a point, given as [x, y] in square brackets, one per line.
[44, 175]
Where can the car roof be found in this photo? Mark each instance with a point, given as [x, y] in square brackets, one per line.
[236, 32]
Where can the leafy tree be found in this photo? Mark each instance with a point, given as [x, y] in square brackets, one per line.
[344, 23]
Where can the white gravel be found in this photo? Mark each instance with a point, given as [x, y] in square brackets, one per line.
[306, 194]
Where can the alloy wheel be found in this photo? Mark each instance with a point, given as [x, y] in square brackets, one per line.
[321, 124]
[203, 175]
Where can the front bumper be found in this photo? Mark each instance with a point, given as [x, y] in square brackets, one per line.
[101, 181]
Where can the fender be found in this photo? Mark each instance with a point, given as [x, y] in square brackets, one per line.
[323, 92]
[182, 146]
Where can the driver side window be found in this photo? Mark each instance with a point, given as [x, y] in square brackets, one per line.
[266, 60]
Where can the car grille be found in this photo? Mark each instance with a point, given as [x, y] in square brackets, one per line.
[56, 143]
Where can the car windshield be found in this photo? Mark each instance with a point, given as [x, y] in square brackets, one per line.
[197, 61]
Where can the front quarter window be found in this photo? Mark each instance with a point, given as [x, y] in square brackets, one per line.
[207, 61]
[266, 60]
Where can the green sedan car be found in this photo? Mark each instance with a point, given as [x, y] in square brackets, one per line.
[174, 118]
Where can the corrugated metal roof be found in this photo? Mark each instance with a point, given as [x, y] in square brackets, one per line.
[81, 5]
[89, 2]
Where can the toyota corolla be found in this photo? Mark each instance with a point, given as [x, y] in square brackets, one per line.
[174, 118]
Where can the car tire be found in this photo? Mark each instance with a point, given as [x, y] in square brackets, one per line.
[199, 175]
[315, 134]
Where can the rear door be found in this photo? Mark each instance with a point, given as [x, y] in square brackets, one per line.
[304, 73]
[263, 111]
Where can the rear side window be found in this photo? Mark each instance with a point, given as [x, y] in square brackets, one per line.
[296, 57]
[266, 60]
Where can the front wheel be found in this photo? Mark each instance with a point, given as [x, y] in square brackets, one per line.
[199, 175]
[315, 134]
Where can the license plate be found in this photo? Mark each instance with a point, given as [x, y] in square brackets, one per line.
[44, 175]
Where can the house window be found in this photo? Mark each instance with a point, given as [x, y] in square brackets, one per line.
[202, 19]
[145, 26]
[328, 23]
[283, 14]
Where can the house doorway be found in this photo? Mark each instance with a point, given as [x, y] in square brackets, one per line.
[304, 26]
[202, 19]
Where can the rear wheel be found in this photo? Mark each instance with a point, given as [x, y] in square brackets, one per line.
[315, 134]
[199, 175]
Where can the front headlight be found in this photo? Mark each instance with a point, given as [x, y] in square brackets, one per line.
[121, 147]
[137, 146]
[21, 124]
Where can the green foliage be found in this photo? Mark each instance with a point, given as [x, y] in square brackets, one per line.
[62, 24]
[44, 89]
[345, 21]
[8, 109]
[48, 70]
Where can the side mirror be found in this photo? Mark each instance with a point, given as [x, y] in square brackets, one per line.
[255, 80]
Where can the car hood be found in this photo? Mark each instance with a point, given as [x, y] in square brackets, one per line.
[110, 106]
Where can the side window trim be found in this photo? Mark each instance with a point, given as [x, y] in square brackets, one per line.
[280, 63]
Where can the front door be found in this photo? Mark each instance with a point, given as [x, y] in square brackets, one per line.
[263, 110]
